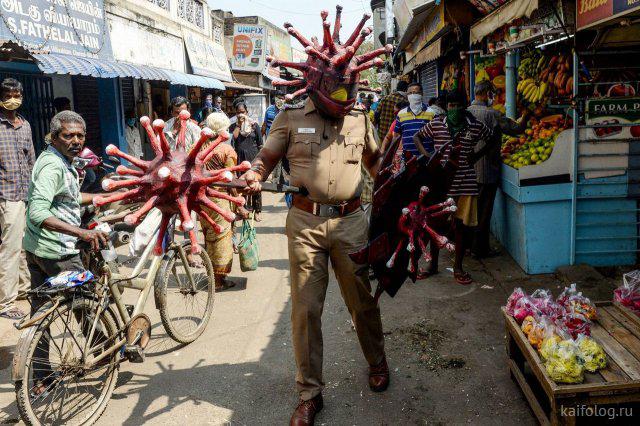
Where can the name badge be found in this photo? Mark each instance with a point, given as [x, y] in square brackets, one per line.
[306, 130]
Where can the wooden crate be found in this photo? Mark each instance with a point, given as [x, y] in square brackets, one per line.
[617, 329]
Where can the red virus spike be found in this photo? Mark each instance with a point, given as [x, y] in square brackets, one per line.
[174, 182]
[328, 44]
[337, 26]
[316, 43]
[226, 215]
[153, 138]
[182, 134]
[158, 127]
[374, 54]
[239, 201]
[112, 185]
[292, 96]
[123, 171]
[340, 60]
[113, 150]
[216, 227]
[134, 218]
[377, 62]
[300, 66]
[318, 54]
[195, 247]
[361, 38]
[289, 83]
[363, 83]
[359, 28]
[296, 34]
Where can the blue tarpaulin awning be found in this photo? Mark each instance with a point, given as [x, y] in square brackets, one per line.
[57, 63]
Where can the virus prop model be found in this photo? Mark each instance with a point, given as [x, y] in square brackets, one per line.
[175, 181]
[410, 211]
[415, 226]
[332, 70]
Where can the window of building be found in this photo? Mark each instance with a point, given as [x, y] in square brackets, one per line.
[191, 11]
[161, 3]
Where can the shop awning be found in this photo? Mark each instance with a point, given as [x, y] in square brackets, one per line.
[420, 14]
[177, 77]
[239, 86]
[501, 16]
[114, 69]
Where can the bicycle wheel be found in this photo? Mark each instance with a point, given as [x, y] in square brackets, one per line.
[185, 306]
[56, 386]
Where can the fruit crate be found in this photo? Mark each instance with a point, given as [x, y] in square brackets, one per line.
[616, 387]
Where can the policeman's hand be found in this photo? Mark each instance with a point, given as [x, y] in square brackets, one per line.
[253, 181]
[97, 239]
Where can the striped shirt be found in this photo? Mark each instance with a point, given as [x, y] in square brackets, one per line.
[16, 159]
[408, 124]
[437, 132]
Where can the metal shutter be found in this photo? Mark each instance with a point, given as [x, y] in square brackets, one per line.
[85, 103]
[128, 96]
[37, 104]
[429, 80]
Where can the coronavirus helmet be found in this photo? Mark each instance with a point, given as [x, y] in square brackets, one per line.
[332, 70]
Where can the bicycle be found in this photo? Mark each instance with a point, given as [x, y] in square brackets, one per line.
[67, 359]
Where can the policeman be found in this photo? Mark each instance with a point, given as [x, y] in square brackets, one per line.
[325, 154]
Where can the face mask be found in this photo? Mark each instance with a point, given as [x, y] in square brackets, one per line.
[455, 116]
[490, 101]
[279, 103]
[208, 103]
[11, 104]
[131, 122]
[415, 102]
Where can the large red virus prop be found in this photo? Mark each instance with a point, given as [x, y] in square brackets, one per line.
[416, 227]
[175, 181]
[332, 70]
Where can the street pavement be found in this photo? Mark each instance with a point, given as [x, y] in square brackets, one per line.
[445, 346]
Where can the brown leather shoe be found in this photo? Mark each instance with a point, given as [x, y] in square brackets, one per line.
[306, 411]
[379, 376]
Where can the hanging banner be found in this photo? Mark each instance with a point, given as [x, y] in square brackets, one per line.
[248, 47]
[591, 12]
[433, 25]
[60, 26]
[207, 57]
[278, 46]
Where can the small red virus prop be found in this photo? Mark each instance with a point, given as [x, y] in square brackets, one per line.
[175, 181]
[415, 226]
[332, 69]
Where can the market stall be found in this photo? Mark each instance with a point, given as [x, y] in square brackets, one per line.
[569, 182]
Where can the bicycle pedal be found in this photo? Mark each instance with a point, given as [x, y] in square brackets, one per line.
[134, 353]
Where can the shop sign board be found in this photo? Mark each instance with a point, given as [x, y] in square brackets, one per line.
[139, 45]
[487, 6]
[590, 12]
[60, 26]
[297, 55]
[248, 49]
[207, 56]
[278, 46]
[434, 23]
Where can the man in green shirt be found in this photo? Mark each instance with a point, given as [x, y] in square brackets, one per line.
[54, 199]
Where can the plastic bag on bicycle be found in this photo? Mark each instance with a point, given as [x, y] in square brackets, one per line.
[69, 279]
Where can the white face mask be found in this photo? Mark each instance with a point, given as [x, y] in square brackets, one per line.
[415, 102]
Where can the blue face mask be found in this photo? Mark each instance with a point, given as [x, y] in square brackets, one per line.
[131, 122]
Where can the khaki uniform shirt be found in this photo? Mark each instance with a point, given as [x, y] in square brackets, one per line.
[324, 154]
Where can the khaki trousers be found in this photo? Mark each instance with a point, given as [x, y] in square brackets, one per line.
[14, 273]
[313, 241]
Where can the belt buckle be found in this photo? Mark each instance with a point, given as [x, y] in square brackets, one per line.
[326, 210]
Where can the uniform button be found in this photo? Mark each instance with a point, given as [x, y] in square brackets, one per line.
[333, 161]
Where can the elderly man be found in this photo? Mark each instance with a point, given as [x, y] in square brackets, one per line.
[54, 199]
[172, 126]
[16, 160]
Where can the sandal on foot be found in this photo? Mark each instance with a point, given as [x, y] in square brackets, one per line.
[426, 274]
[462, 278]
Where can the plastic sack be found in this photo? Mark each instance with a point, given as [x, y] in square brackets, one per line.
[576, 323]
[516, 295]
[527, 325]
[563, 363]
[572, 290]
[523, 308]
[591, 353]
[554, 333]
[628, 294]
[538, 331]
[248, 247]
[69, 279]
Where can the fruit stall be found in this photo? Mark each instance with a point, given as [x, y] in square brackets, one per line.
[569, 184]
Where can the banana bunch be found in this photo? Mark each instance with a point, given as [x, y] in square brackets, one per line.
[531, 91]
[531, 64]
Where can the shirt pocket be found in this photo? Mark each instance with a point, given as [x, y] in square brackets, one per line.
[353, 149]
[304, 146]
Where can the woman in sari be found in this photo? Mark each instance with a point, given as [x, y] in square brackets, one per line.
[219, 247]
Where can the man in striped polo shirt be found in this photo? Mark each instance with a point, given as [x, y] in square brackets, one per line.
[412, 119]
[460, 129]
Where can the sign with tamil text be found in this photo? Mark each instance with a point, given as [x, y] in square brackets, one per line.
[590, 12]
[72, 27]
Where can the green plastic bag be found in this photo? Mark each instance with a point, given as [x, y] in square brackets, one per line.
[248, 247]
